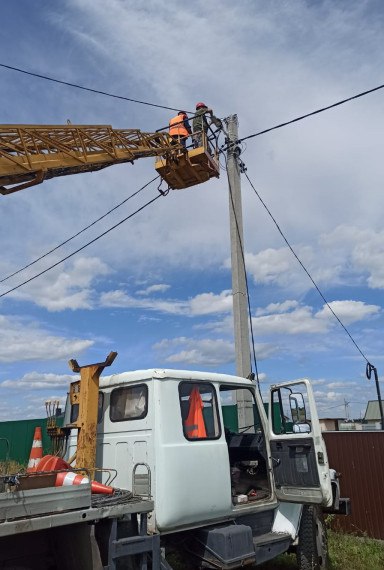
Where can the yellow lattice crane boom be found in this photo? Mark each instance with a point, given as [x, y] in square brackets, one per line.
[30, 154]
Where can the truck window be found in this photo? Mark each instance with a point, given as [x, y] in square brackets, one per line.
[100, 406]
[290, 410]
[198, 406]
[129, 403]
[230, 398]
[247, 453]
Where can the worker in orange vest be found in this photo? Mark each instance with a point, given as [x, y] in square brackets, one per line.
[179, 128]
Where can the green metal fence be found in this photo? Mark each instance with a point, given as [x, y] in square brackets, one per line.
[16, 438]
[230, 416]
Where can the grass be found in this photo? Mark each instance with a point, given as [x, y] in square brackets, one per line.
[346, 552]
[10, 467]
[357, 553]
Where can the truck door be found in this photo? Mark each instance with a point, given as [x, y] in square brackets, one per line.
[299, 456]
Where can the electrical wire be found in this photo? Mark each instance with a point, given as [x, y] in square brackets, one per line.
[311, 114]
[119, 497]
[77, 86]
[85, 88]
[304, 268]
[246, 279]
[78, 233]
[80, 248]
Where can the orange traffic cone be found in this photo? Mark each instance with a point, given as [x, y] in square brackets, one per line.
[36, 451]
[52, 463]
[71, 478]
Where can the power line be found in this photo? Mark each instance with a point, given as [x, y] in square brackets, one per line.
[47, 78]
[305, 269]
[80, 248]
[311, 114]
[98, 91]
[78, 233]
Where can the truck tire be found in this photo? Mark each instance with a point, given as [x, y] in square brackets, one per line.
[312, 549]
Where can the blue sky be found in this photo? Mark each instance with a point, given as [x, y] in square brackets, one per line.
[158, 288]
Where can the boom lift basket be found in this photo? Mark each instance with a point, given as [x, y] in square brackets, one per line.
[188, 167]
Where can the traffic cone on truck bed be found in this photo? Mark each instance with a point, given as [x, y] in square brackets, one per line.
[36, 451]
[52, 463]
[70, 478]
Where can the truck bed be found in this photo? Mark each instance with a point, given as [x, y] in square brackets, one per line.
[44, 527]
[36, 509]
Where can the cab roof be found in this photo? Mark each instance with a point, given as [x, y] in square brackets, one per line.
[170, 374]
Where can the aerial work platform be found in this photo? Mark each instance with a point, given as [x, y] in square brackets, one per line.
[189, 167]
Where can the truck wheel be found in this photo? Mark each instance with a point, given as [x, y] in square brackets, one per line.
[312, 549]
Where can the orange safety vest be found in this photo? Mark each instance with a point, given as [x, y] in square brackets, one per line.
[194, 425]
[177, 127]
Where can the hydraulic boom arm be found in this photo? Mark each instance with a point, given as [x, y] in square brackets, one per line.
[30, 154]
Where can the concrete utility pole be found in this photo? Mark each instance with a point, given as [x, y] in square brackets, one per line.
[239, 289]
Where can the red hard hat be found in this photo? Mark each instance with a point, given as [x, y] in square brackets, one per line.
[199, 105]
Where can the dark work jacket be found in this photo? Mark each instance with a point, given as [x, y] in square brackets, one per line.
[200, 122]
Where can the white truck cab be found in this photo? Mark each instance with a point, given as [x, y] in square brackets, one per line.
[174, 436]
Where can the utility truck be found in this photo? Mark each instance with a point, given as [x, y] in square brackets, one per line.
[223, 496]
[190, 478]
[202, 489]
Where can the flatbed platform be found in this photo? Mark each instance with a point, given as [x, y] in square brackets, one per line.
[50, 507]
[69, 528]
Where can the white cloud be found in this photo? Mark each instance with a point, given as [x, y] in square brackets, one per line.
[304, 320]
[195, 351]
[333, 396]
[120, 298]
[160, 288]
[262, 377]
[341, 384]
[21, 340]
[209, 303]
[346, 255]
[39, 381]
[279, 267]
[222, 326]
[283, 307]
[368, 256]
[358, 251]
[298, 321]
[270, 265]
[207, 352]
[202, 304]
[348, 311]
[65, 288]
